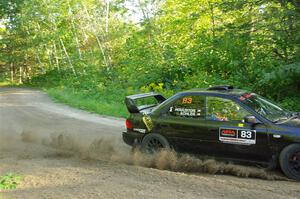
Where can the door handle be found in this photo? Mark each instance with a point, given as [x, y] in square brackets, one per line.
[276, 136]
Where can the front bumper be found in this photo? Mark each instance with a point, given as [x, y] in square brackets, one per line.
[132, 138]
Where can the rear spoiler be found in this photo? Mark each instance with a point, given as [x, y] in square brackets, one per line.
[132, 105]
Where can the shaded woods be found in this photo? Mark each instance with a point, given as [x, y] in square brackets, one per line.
[105, 49]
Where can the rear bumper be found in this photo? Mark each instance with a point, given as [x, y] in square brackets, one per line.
[131, 137]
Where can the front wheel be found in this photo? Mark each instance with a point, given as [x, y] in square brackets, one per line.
[289, 160]
[153, 143]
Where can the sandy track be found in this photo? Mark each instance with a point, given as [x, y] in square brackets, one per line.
[67, 153]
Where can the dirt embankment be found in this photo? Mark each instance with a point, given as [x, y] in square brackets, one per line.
[67, 153]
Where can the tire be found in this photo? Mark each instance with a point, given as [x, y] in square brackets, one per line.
[153, 143]
[289, 161]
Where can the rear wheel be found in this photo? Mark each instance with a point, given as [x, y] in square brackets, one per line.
[289, 160]
[153, 143]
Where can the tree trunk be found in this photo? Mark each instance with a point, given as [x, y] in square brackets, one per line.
[74, 32]
[107, 16]
[212, 18]
[12, 72]
[20, 74]
[56, 58]
[40, 63]
[50, 60]
[67, 55]
[97, 38]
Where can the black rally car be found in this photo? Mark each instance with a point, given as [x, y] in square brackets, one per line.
[220, 121]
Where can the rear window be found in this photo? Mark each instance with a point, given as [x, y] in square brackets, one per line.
[147, 101]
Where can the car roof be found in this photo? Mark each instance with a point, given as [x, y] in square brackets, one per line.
[231, 92]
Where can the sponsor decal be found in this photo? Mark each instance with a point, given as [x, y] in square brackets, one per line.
[237, 136]
[140, 130]
[187, 100]
[241, 125]
[186, 111]
[148, 122]
[198, 112]
[228, 133]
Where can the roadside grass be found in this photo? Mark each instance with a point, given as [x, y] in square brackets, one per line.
[5, 83]
[9, 181]
[101, 105]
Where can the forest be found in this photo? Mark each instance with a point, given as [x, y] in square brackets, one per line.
[92, 53]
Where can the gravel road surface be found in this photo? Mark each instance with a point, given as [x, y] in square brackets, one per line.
[63, 152]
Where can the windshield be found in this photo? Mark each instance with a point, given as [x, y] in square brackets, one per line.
[264, 107]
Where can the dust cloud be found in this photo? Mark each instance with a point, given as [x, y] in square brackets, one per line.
[112, 149]
[172, 161]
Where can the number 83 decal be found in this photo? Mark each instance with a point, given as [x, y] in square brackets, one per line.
[246, 134]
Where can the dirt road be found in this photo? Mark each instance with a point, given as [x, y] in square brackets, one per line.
[62, 152]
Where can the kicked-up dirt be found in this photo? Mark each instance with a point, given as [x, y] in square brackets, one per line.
[62, 152]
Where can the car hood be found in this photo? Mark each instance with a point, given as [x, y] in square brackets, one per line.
[292, 123]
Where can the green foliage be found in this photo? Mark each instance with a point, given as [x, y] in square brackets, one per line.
[84, 52]
[282, 82]
[9, 181]
[291, 103]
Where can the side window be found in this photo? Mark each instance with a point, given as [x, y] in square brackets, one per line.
[221, 109]
[189, 106]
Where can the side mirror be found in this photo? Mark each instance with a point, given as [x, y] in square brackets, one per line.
[250, 119]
